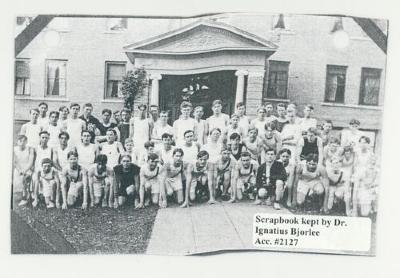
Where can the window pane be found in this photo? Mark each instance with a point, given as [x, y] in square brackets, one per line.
[335, 83]
[115, 71]
[277, 79]
[370, 86]
[56, 78]
[22, 69]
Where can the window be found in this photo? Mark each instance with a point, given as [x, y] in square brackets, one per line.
[335, 83]
[277, 79]
[22, 78]
[117, 24]
[369, 88]
[56, 73]
[115, 71]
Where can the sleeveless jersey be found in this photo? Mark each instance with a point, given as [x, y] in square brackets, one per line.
[309, 147]
[141, 132]
[54, 132]
[87, 154]
[21, 157]
[190, 153]
[112, 152]
[218, 122]
[123, 132]
[237, 153]
[74, 129]
[32, 133]
[180, 126]
[62, 156]
[42, 154]
[76, 178]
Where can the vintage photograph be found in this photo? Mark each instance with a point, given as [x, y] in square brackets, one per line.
[166, 135]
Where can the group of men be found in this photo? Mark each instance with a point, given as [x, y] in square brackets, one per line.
[276, 159]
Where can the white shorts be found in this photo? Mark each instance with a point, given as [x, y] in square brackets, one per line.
[194, 182]
[174, 183]
[75, 189]
[153, 185]
[47, 187]
[338, 190]
[98, 187]
[366, 196]
[304, 187]
[19, 180]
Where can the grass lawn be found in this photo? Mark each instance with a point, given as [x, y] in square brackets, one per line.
[96, 230]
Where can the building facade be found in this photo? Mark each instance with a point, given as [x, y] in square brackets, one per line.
[255, 58]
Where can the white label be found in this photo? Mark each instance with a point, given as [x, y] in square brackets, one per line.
[311, 232]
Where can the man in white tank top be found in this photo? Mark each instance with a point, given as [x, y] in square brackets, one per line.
[43, 150]
[87, 151]
[184, 123]
[140, 128]
[112, 148]
[54, 129]
[64, 112]
[201, 125]
[218, 119]
[32, 129]
[43, 120]
[190, 148]
[259, 122]
[61, 151]
[74, 126]
[161, 126]
[23, 168]
[165, 149]
[244, 121]
[213, 147]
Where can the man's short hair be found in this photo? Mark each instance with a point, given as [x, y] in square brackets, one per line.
[199, 107]
[245, 154]
[253, 128]
[164, 112]
[88, 105]
[106, 110]
[217, 129]
[239, 104]
[270, 150]
[44, 132]
[101, 159]
[86, 131]
[126, 155]
[142, 106]
[153, 106]
[152, 157]
[128, 140]
[63, 133]
[268, 104]
[217, 101]
[166, 135]
[55, 113]
[348, 149]
[187, 131]
[123, 110]
[33, 109]
[203, 153]
[285, 150]
[22, 137]
[281, 104]
[234, 136]
[72, 153]
[309, 106]
[261, 108]
[178, 150]
[112, 130]
[329, 122]
[185, 104]
[270, 125]
[312, 130]
[354, 122]
[365, 138]
[334, 139]
[43, 103]
[74, 104]
[63, 107]
[148, 144]
[234, 115]
[312, 157]
[47, 161]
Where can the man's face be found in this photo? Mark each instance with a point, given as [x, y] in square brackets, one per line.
[75, 110]
[327, 126]
[101, 167]
[311, 166]
[154, 111]
[291, 113]
[235, 142]
[354, 126]
[163, 118]
[225, 154]
[202, 161]
[307, 112]
[129, 146]
[64, 113]
[150, 149]
[285, 157]
[333, 146]
[252, 133]
[261, 114]
[189, 137]
[63, 140]
[34, 115]
[347, 154]
[86, 138]
[336, 164]
[311, 136]
[186, 111]
[43, 110]
[125, 162]
[281, 111]
[46, 168]
[87, 110]
[153, 163]
[177, 157]
[217, 108]
[124, 116]
[235, 121]
[245, 161]
[269, 133]
[198, 113]
[363, 144]
[241, 110]
[21, 142]
[142, 111]
[106, 117]
[118, 116]
[53, 118]
[73, 161]
[269, 108]
[44, 138]
[110, 136]
[270, 156]
[215, 135]
[167, 141]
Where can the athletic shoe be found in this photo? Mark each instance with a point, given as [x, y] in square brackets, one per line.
[23, 203]
[268, 202]
[277, 206]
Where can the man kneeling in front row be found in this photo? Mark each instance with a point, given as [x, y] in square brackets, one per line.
[47, 183]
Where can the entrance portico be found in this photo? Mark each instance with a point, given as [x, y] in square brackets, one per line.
[204, 49]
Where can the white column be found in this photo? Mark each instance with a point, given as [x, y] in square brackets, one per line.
[155, 87]
[240, 85]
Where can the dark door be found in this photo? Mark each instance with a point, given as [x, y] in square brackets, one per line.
[199, 89]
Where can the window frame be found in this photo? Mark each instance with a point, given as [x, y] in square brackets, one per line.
[362, 85]
[268, 83]
[106, 64]
[46, 81]
[15, 77]
[335, 68]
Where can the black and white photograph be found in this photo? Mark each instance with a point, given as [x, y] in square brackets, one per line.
[182, 135]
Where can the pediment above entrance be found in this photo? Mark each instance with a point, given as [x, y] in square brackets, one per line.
[201, 37]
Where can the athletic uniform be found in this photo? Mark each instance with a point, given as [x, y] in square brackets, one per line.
[329, 155]
[87, 155]
[306, 123]
[236, 154]
[113, 153]
[74, 182]
[47, 183]
[348, 168]
[174, 177]
[21, 158]
[222, 169]
[308, 180]
[190, 153]
[62, 155]
[291, 130]
[367, 191]
[260, 125]
[267, 175]
[165, 156]
[99, 180]
[159, 130]
[231, 130]
[104, 127]
[349, 138]
[42, 154]
[43, 122]
[125, 179]
[196, 187]
[280, 123]
[152, 179]
[254, 148]
[141, 132]
[309, 148]
[32, 134]
[218, 122]
[244, 123]
[124, 129]
[200, 131]
[336, 182]
[53, 138]
[214, 151]
[180, 126]
[246, 177]
[74, 128]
